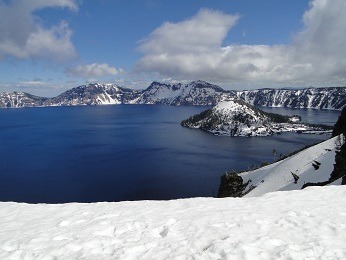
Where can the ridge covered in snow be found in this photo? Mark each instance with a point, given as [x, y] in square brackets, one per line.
[307, 224]
[320, 98]
[20, 99]
[92, 94]
[194, 93]
[234, 117]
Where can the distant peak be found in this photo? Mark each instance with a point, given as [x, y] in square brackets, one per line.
[200, 82]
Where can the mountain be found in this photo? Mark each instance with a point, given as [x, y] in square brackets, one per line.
[234, 117]
[199, 93]
[93, 94]
[20, 99]
[320, 98]
[194, 93]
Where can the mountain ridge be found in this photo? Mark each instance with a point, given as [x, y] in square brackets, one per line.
[198, 92]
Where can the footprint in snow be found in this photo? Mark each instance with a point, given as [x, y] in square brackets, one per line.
[163, 231]
[64, 223]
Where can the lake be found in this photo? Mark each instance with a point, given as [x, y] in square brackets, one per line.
[126, 152]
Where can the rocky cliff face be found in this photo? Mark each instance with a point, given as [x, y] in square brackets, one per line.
[320, 98]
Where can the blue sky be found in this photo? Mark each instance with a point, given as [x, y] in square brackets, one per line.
[47, 47]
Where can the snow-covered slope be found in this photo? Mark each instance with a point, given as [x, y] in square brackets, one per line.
[194, 93]
[20, 99]
[234, 117]
[308, 224]
[312, 165]
[320, 98]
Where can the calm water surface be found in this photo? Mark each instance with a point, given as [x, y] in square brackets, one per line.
[125, 152]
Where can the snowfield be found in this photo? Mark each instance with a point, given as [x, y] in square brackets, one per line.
[307, 224]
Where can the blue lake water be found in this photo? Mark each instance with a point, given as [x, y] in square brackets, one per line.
[126, 152]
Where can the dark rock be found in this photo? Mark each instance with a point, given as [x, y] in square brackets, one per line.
[339, 170]
[231, 186]
[340, 126]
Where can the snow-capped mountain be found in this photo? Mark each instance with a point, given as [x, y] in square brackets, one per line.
[195, 93]
[234, 117]
[320, 98]
[20, 99]
[93, 94]
[199, 93]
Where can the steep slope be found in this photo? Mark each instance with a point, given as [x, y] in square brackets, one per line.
[308, 224]
[20, 99]
[93, 94]
[236, 118]
[320, 98]
[313, 165]
[195, 93]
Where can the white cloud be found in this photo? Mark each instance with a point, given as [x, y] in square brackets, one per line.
[94, 70]
[35, 83]
[22, 35]
[201, 33]
[193, 49]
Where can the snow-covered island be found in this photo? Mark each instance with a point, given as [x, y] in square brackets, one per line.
[234, 117]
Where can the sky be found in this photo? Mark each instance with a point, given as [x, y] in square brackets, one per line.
[47, 47]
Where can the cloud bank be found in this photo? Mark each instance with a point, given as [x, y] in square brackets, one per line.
[94, 70]
[22, 36]
[193, 49]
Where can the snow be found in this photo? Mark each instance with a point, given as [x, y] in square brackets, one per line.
[307, 224]
[278, 176]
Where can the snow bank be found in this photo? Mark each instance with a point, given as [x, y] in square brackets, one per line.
[307, 224]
